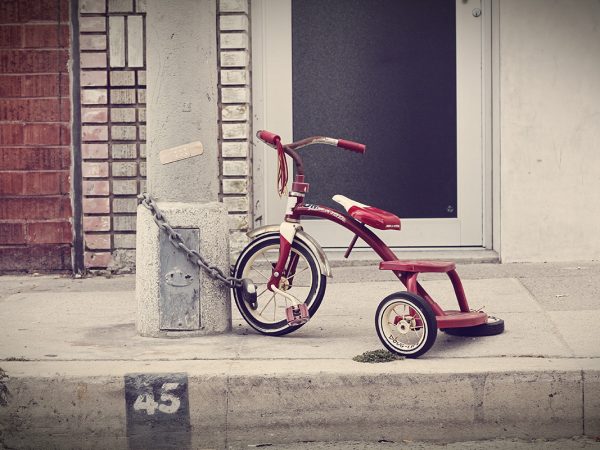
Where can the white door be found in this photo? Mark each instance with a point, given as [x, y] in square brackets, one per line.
[390, 75]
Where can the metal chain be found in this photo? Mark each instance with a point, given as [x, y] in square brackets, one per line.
[177, 241]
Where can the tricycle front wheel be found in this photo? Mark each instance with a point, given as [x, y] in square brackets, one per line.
[406, 324]
[307, 283]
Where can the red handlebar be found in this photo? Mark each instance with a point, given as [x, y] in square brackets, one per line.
[272, 139]
[268, 137]
[352, 146]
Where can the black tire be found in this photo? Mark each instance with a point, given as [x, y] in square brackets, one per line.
[394, 335]
[309, 288]
[491, 328]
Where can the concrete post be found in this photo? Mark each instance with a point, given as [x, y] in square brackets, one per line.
[175, 298]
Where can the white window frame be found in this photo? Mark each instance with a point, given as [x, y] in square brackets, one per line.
[272, 110]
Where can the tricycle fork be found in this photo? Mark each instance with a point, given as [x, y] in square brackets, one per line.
[287, 231]
[297, 313]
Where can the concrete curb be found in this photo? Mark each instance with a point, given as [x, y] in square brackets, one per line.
[234, 403]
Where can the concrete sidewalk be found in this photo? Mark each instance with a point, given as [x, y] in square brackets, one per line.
[73, 363]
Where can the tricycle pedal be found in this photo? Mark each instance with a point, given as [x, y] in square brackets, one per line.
[297, 315]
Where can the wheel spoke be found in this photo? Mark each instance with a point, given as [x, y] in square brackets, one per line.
[264, 255]
[261, 274]
[298, 272]
[267, 304]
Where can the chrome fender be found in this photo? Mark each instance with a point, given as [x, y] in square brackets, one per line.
[307, 239]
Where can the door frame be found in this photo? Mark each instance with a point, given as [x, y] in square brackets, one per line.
[272, 37]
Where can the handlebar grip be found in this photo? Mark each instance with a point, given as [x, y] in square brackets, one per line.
[352, 146]
[268, 137]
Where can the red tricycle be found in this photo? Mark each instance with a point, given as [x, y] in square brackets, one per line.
[289, 269]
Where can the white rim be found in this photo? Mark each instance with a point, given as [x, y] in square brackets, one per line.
[271, 306]
[403, 326]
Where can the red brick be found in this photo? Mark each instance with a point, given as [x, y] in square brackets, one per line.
[33, 61]
[42, 134]
[65, 182]
[11, 36]
[33, 208]
[42, 183]
[97, 259]
[94, 206]
[10, 86]
[49, 232]
[11, 134]
[11, 183]
[95, 187]
[38, 10]
[36, 258]
[94, 151]
[40, 158]
[96, 223]
[64, 37]
[46, 36]
[98, 115]
[65, 87]
[9, 11]
[65, 134]
[12, 233]
[94, 133]
[65, 10]
[94, 96]
[94, 169]
[40, 86]
[91, 60]
[92, 42]
[30, 110]
[63, 62]
[92, 24]
[93, 78]
[97, 241]
[65, 110]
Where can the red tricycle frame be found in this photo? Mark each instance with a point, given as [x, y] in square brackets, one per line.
[406, 271]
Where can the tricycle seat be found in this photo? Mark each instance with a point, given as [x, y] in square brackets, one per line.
[418, 266]
[374, 217]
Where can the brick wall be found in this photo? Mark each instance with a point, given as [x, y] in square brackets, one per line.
[35, 136]
[235, 117]
[113, 117]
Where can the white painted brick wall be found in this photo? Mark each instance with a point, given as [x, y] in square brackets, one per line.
[113, 80]
[235, 117]
[233, 6]
[237, 22]
[235, 113]
[235, 168]
[235, 149]
[235, 130]
[236, 58]
[235, 76]
[235, 95]
[234, 40]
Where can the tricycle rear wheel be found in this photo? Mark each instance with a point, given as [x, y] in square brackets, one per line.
[493, 327]
[406, 324]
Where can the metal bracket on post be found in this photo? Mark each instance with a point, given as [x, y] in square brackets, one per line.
[179, 301]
